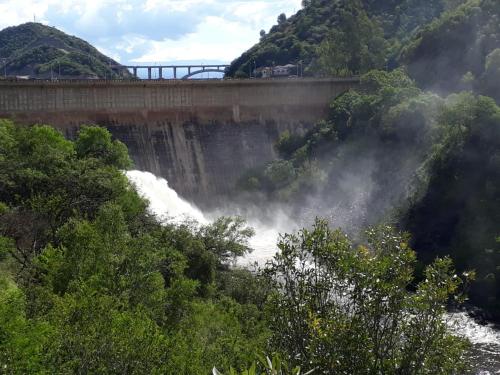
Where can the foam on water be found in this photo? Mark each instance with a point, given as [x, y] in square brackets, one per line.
[463, 325]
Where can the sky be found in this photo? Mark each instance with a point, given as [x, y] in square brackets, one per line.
[156, 31]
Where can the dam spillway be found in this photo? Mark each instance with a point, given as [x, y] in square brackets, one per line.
[201, 135]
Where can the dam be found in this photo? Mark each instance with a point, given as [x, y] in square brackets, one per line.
[201, 135]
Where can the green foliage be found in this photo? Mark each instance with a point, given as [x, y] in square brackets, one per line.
[227, 334]
[6, 247]
[96, 334]
[104, 256]
[267, 366]
[458, 211]
[376, 29]
[345, 309]
[227, 238]
[280, 173]
[21, 340]
[455, 44]
[491, 75]
[47, 182]
[96, 143]
[355, 46]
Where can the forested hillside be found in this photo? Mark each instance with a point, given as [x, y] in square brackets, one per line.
[375, 30]
[40, 51]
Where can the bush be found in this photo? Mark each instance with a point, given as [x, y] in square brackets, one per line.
[347, 309]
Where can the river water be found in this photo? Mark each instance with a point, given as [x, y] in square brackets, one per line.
[168, 205]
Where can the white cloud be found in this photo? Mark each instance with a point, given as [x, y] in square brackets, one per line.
[215, 39]
[156, 30]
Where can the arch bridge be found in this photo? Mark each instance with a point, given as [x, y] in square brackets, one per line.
[192, 70]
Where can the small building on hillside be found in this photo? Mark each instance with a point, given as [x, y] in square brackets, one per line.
[276, 71]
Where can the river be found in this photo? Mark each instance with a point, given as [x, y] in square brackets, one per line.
[166, 204]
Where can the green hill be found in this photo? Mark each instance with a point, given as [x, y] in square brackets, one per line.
[299, 37]
[40, 51]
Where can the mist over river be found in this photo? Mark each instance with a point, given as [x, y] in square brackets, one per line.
[166, 204]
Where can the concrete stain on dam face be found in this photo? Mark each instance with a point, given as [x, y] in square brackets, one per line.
[199, 135]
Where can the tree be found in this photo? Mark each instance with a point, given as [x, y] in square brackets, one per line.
[355, 46]
[21, 340]
[97, 334]
[491, 75]
[96, 142]
[348, 310]
[281, 19]
[457, 211]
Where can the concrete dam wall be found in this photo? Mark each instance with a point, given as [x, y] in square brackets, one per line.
[200, 135]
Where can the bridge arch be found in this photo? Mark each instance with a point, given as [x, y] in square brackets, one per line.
[211, 70]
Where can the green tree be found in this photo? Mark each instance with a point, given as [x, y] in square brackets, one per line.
[22, 340]
[355, 46]
[457, 210]
[97, 334]
[491, 75]
[347, 309]
[97, 143]
[281, 19]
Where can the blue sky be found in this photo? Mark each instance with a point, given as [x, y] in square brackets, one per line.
[153, 31]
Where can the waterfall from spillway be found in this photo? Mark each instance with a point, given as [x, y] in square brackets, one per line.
[168, 206]
[164, 202]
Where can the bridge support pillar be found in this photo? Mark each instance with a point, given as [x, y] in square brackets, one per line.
[149, 73]
[135, 71]
[175, 72]
[160, 73]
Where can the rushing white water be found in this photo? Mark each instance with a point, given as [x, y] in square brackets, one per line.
[478, 334]
[169, 206]
[164, 202]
